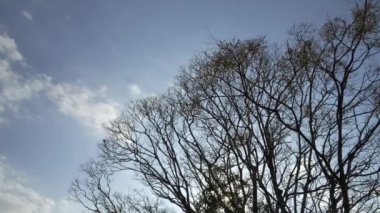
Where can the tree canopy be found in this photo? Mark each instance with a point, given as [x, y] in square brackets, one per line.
[254, 127]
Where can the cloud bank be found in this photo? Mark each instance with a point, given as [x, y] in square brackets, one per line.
[88, 107]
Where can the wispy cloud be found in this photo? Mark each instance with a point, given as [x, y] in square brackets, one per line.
[134, 89]
[90, 108]
[14, 88]
[27, 15]
[17, 196]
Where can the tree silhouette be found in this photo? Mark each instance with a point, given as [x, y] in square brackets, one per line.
[254, 128]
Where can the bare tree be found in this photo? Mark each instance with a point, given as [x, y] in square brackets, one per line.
[255, 128]
[94, 193]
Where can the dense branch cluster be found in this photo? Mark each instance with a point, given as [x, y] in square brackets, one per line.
[254, 128]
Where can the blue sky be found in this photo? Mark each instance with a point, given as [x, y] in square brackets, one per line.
[68, 66]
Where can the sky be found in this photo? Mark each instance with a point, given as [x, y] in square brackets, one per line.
[69, 66]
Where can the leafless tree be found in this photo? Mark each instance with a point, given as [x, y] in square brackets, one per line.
[251, 127]
[94, 193]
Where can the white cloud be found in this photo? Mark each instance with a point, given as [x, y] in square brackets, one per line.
[134, 89]
[8, 49]
[13, 87]
[88, 107]
[16, 196]
[27, 15]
